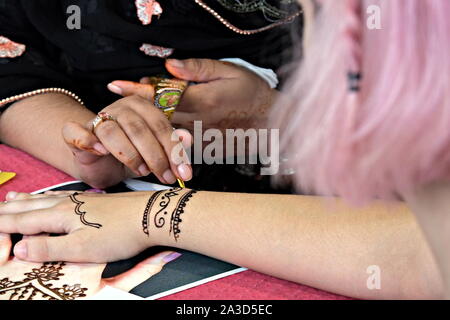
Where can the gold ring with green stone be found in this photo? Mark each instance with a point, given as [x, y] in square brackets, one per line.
[168, 94]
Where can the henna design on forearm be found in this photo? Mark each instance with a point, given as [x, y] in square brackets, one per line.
[37, 285]
[177, 212]
[159, 219]
[148, 207]
[82, 213]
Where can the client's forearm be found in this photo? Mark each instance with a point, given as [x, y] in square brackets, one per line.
[304, 239]
[34, 125]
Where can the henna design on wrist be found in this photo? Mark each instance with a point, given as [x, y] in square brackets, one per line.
[150, 204]
[177, 212]
[159, 219]
[80, 213]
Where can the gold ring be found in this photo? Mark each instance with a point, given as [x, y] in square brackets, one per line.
[100, 118]
[168, 94]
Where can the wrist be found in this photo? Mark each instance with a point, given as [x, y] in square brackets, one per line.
[162, 216]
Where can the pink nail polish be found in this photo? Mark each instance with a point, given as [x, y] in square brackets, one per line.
[96, 191]
[144, 170]
[185, 172]
[11, 195]
[100, 148]
[21, 250]
[175, 63]
[115, 89]
[171, 257]
[169, 177]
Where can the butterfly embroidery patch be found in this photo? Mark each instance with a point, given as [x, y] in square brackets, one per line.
[156, 51]
[10, 49]
[146, 9]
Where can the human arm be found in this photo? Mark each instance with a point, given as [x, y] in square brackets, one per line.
[303, 239]
[35, 125]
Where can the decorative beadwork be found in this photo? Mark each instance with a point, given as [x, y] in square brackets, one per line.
[156, 51]
[10, 49]
[39, 92]
[146, 9]
[227, 24]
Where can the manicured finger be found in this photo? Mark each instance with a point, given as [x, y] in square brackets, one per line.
[202, 70]
[68, 248]
[5, 247]
[20, 206]
[143, 139]
[129, 88]
[79, 138]
[142, 271]
[163, 130]
[117, 142]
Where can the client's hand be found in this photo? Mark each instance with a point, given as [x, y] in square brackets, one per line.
[227, 96]
[21, 280]
[138, 142]
[97, 228]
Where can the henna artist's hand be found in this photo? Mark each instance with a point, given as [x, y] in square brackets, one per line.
[21, 280]
[92, 163]
[138, 143]
[226, 96]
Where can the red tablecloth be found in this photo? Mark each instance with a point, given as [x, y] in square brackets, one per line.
[33, 174]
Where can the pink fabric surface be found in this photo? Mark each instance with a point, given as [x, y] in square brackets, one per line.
[33, 175]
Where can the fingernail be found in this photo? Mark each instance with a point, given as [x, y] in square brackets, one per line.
[175, 63]
[144, 170]
[95, 191]
[100, 148]
[171, 257]
[115, 89]
[21, 250]
[11, 195]
[185, 172]
[169, 177]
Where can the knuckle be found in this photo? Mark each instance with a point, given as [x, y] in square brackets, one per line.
[203, 67]
[162, 126]
[133, 100]
[136, 127]
[131, 158]
[78, 247]
[43, 251]
[159, 164]
[211, 102]
[106, 128]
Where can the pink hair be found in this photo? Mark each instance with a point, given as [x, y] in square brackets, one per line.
[394, 134]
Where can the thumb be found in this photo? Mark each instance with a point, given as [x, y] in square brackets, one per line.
[84, 144]
[43, 249]
[202, 70]
[129, 88]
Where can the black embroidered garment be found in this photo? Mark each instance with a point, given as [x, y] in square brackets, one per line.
[114, 43]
